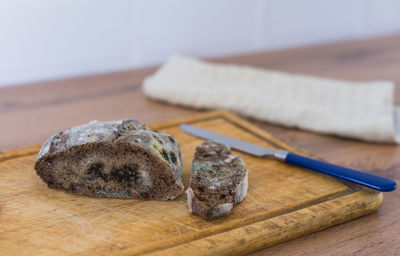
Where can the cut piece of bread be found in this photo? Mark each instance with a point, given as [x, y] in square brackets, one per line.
[122, 159]
[218, 181]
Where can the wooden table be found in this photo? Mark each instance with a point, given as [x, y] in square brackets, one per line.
[31, 113]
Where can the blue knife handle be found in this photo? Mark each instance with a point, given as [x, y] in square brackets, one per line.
[362, 178]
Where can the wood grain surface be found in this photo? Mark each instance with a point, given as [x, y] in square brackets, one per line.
[30, 113]
[283, 203]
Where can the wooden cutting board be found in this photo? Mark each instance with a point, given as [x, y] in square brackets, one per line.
[283, 203]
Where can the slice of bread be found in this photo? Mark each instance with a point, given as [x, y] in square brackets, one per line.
[122, 159]
[218, 181]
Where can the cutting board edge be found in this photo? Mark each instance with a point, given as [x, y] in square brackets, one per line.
[250, 238]
[230, 117]
[18, 152]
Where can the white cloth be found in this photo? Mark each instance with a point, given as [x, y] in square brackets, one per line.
[362, 110]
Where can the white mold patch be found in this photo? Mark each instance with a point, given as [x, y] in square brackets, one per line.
[222, 209]
[146, 179]
[190, 195]
[241, 191]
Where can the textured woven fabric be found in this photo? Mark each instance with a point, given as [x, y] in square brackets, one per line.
[361, 110]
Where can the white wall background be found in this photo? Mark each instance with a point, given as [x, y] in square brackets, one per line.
[47, 39]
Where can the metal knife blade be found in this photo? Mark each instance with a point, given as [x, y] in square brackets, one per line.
[362, 178]
[234, 143]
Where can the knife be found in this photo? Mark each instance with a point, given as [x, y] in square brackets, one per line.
[362, 178]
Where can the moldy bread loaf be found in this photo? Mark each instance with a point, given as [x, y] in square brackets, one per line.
[121, 159]
[218, 180]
